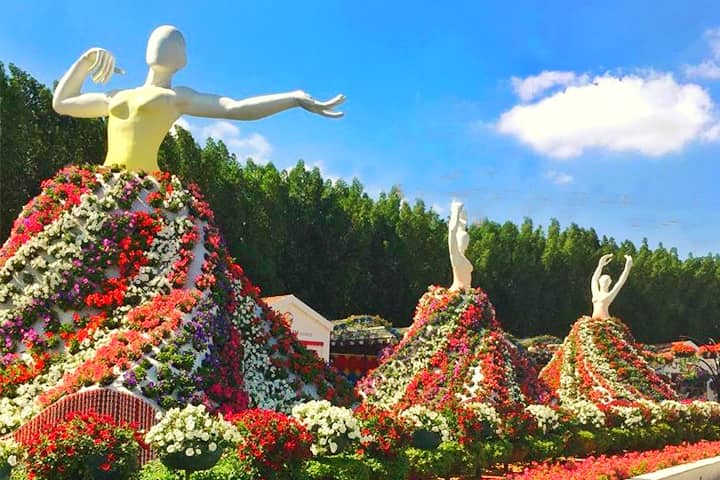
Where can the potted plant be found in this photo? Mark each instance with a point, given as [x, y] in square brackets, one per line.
[191, 439]
[430, 428]
[274, 444]
[84, 445]
[334, 428]
[9, 457]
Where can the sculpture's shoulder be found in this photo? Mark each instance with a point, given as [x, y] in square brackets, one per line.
[185, 93]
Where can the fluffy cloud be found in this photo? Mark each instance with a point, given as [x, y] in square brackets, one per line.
[651, 114]
[708, 69]
[531, 87]
[253, 145]
[559, 178]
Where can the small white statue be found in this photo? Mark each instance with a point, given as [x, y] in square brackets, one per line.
[139, 118]
[458, 240]
[602, 297]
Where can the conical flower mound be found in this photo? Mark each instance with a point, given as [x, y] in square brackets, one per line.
[120, 280]
[600, 362]
[454, 352]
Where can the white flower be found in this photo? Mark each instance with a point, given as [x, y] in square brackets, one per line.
[547, 419]
[329, 424]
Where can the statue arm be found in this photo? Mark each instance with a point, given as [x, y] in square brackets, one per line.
[216, 106]
[623, 278]
[453, 225]
[67, 99]
[595, 281]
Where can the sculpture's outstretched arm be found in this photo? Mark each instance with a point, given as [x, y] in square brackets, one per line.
[215, 106]
[453, 225]
[67, 99]
[595, 281]
[623, 278]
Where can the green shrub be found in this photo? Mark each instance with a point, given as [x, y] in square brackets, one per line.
[230, 467]
[449, 459]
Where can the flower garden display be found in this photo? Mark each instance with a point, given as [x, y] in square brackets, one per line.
[191, 439]
[600, 362]
[9, 456]
[84, 446]
[273, 443]
[333, 428]
[120, 280]
[455, 352]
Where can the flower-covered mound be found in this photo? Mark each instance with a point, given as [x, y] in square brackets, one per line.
[120, 280]
[600, 362]
[454, 353]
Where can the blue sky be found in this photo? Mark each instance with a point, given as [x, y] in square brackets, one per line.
[600, 113]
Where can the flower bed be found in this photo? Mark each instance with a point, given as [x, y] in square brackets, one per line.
[623, 466]
[120, 280]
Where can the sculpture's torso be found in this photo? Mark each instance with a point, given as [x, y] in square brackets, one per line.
[601, 306]
[138, 121]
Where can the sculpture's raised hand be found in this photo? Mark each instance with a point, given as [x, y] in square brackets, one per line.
[455, 208]
[101, 64]
[321, 108]
[628, 261]
[606, 259]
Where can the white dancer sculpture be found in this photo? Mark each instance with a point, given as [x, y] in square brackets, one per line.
[602, 297]
[139, 118]
[458, 240]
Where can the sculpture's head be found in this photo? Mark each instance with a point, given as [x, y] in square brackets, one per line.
[166, 49]
[605, 282]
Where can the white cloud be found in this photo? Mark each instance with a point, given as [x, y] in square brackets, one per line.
[559, 178]
[324, 171]
[648, 113]
[533, 86]
[253, 146]
[220, 130]
[708, 69]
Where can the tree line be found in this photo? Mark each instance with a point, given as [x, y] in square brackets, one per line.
[345, 253]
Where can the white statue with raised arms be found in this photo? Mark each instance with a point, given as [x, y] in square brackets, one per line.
[602, 296]
[139, 118]
[458, 241]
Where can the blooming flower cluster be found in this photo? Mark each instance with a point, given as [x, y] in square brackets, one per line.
[83, 445]
[421, 418]
[600, 362]
[333, 428]
[120, 280]
[546, 418]
[454, 352]
[191, 431]
[384, 433]
[271, 441]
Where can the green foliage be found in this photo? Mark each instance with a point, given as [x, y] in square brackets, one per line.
[354, 467]
[344, 252]
[230, 467]
[450, 459]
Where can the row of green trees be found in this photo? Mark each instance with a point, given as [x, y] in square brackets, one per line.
[344, 252]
